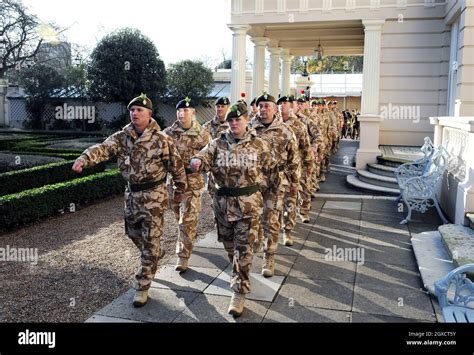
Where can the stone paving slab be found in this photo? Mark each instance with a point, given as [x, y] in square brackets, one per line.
[195, 279]
[416, 228]
[263, 289]
[384, 226]
[335, 295]
[387, 275]
[357, 317]
[163, 306]
[388, 253]
[345, 223]
[105, 319]
[381, 216]
[284, 313]
[342, 205]
[207, 308]
[207, 257]
[320, 269]
[335, 214]
[398, 301]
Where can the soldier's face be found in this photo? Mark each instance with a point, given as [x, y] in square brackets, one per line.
[300, 106]
[238, 125]
[267, 110]
[285, 107]
[221, 110]
[185, 116]
[140, 116]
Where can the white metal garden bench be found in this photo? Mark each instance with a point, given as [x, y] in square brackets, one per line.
[455, 294]
[417, 180]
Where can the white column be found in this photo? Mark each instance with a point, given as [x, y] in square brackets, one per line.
[258, 78]
[285, 72]
[274, 79]
[3, 96]
[238, 60]
[370, 116]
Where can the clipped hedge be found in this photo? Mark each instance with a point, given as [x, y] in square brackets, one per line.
[26, 179]
[31, 205]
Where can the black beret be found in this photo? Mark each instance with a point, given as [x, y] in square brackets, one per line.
[185, 103]
[265, 97]
[236, 110]
[285, 99]
[253, 102]
[301, 99]
[142, 101]
[224, 100]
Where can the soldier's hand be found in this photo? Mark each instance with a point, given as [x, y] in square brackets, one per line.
[195, 164]
[78, 165]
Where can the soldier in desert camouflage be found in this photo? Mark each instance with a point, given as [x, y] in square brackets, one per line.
[237, 160]
[300, 131]
[145, 155]
[218, 124]
[215, 127]
[189, 138]
[269, 126]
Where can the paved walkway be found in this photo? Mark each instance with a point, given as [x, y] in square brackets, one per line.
[369, 275]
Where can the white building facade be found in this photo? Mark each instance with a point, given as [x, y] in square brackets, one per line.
[418, 57]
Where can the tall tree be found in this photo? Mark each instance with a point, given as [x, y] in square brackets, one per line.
[189, 78]
[124, 64]
[19, 37]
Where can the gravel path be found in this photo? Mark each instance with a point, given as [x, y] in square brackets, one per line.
[85, 261]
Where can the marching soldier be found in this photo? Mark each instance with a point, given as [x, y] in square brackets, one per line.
[145, 155]
[269, 126]
[236, 160]
[300, 131]
[253, 108]
[189, 138]
[215, 127]
[218, 124]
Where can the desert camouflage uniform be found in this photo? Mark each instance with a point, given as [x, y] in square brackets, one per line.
[188, 143]
[291, 202]
[238, 165]
[284, 150]
[317, 145]
[143, 159]
[214, 128]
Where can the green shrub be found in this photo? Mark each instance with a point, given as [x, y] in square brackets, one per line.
[26, 179]
[31, 205]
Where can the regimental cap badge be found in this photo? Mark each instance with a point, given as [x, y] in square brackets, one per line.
[144, 98]
[188, 100]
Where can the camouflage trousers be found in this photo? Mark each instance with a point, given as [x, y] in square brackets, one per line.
[187, 214]
[269, 230]
[305, 190]
[288, 215]
[238, 238]
[314, 178]
[144, 226]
